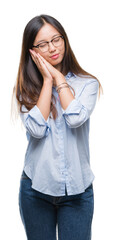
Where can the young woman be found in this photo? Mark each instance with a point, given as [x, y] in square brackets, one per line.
[56, 98]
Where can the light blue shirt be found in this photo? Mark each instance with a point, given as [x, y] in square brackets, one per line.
[57, 154]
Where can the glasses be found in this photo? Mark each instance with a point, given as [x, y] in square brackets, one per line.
[57, 41]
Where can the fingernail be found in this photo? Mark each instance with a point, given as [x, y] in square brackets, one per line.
[31, 50]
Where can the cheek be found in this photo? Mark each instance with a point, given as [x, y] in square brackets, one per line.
[62, 50]
[44, 55]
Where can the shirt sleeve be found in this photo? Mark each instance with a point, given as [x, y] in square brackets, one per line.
[35, 123]
[80, 108]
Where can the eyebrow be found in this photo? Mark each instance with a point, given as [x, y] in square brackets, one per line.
[46, 40]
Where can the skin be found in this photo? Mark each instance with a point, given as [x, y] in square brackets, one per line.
[49, 68]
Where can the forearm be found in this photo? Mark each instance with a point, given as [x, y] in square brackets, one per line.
[44, 100]
[65, 94]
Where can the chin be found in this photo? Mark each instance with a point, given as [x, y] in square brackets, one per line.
[55, 62]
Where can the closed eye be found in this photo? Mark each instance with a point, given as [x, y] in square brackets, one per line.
[42, 44]
[56, 39]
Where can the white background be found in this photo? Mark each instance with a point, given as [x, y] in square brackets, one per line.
[88, 24]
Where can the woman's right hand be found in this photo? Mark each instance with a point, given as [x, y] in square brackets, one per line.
[41, 66]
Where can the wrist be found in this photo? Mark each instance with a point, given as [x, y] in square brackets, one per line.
[61, 85]
[47, 81]
[59, 80]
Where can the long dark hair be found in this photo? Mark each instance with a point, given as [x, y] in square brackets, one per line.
[29, 79]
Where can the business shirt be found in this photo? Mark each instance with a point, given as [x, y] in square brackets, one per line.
[57, 154]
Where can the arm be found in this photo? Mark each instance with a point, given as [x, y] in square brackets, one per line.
[45, 99]
[35, 123]
[80, 109]
[65, 94]
[36, 120]
[75, 110]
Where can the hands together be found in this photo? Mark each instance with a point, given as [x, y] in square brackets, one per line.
[47, 70]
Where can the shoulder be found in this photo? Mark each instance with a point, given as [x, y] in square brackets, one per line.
[80, 79]
[81, 82]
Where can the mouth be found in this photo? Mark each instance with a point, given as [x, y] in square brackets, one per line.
[55, 56]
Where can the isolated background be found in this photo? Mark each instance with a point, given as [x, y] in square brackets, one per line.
[90, 30]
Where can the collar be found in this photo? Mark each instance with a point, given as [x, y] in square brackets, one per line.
[69, 75]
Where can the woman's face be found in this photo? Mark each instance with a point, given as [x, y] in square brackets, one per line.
[54, 54]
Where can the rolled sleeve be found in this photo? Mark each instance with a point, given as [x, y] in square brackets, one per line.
[80, 109]
[73, 108]
[35, 123]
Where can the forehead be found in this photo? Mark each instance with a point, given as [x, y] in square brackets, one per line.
[46, 32]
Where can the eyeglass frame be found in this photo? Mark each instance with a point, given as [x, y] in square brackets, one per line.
[37, 46]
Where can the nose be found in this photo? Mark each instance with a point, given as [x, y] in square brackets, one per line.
[51, 47]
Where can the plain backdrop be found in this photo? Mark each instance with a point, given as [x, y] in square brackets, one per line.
[89, 26]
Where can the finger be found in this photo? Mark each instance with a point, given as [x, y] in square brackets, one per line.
[47, 64]
[35, 58]
[40, 64]
[33, 54]
[40, 59]
[43, 67]
[43, 59]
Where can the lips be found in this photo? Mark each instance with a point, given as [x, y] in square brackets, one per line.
[55, 56]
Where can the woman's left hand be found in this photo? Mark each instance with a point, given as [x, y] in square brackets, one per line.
[56, 75]
[53, 71]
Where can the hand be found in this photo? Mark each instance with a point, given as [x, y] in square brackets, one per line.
[53, 71]
[57, 76]
[41, 65]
